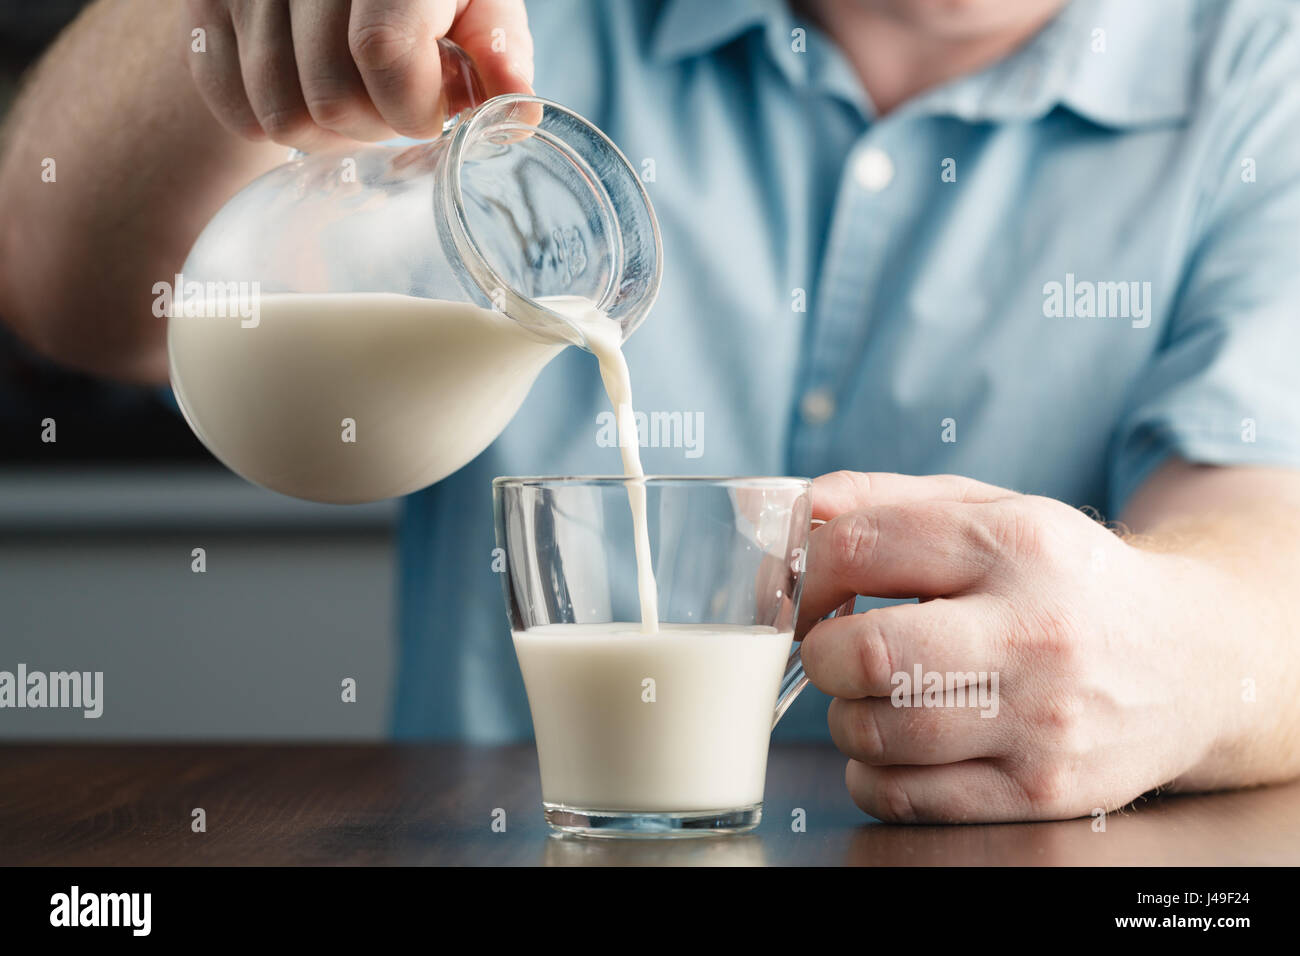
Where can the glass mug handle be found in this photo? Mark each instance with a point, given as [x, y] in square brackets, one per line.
[461, 88]
[795, 680]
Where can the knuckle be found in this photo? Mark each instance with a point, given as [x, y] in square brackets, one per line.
[963, 488]
[853, 541]
[331, 108]
[282, 123]
[990, 537]
[384, 40]
[859, 481]
[869, 738]
[1059, 639]
[1019, 532]
[893, 803]
[875, 662]
[1018, 529]
[1060, 720]
[1048, 788]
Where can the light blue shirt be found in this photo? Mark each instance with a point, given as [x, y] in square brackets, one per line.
[1051, 275]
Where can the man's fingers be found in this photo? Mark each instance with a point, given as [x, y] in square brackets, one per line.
[215, 68]
[335, 96]
[319, 74]
[916, 549]
[495, 35]
[270, 75]
[859, 655]
[394, 44]
[973, 791]
[841, 491]
[877, 732]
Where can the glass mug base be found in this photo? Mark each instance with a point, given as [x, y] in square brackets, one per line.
[653, 824]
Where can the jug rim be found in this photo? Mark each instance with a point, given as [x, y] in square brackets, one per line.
[478, 122]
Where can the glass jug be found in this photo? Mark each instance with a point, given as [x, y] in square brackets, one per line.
[358, 324]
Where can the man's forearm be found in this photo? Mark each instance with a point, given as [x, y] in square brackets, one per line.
[139, 166]
[1236, 532]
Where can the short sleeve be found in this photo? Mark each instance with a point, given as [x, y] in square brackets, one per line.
[1224, 387]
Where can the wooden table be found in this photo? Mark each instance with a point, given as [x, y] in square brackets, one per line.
[98, 805]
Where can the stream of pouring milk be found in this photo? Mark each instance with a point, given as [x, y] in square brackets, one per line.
[605, 338]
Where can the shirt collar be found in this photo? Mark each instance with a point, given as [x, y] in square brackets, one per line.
[687, 28]
[1117, 63]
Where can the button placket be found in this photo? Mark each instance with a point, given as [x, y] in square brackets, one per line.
[849, 277]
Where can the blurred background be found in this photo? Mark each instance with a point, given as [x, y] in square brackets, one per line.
[97, 532]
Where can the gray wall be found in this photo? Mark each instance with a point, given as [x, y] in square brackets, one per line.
[95, 575]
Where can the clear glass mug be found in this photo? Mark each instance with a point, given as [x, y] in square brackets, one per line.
[519, 199]
[650, 734]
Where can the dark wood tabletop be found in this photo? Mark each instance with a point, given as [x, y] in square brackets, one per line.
[107, 805]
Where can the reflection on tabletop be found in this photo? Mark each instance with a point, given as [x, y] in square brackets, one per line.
[744, 849]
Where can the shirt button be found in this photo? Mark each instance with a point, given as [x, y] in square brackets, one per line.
[817, 406]
[873, 169]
